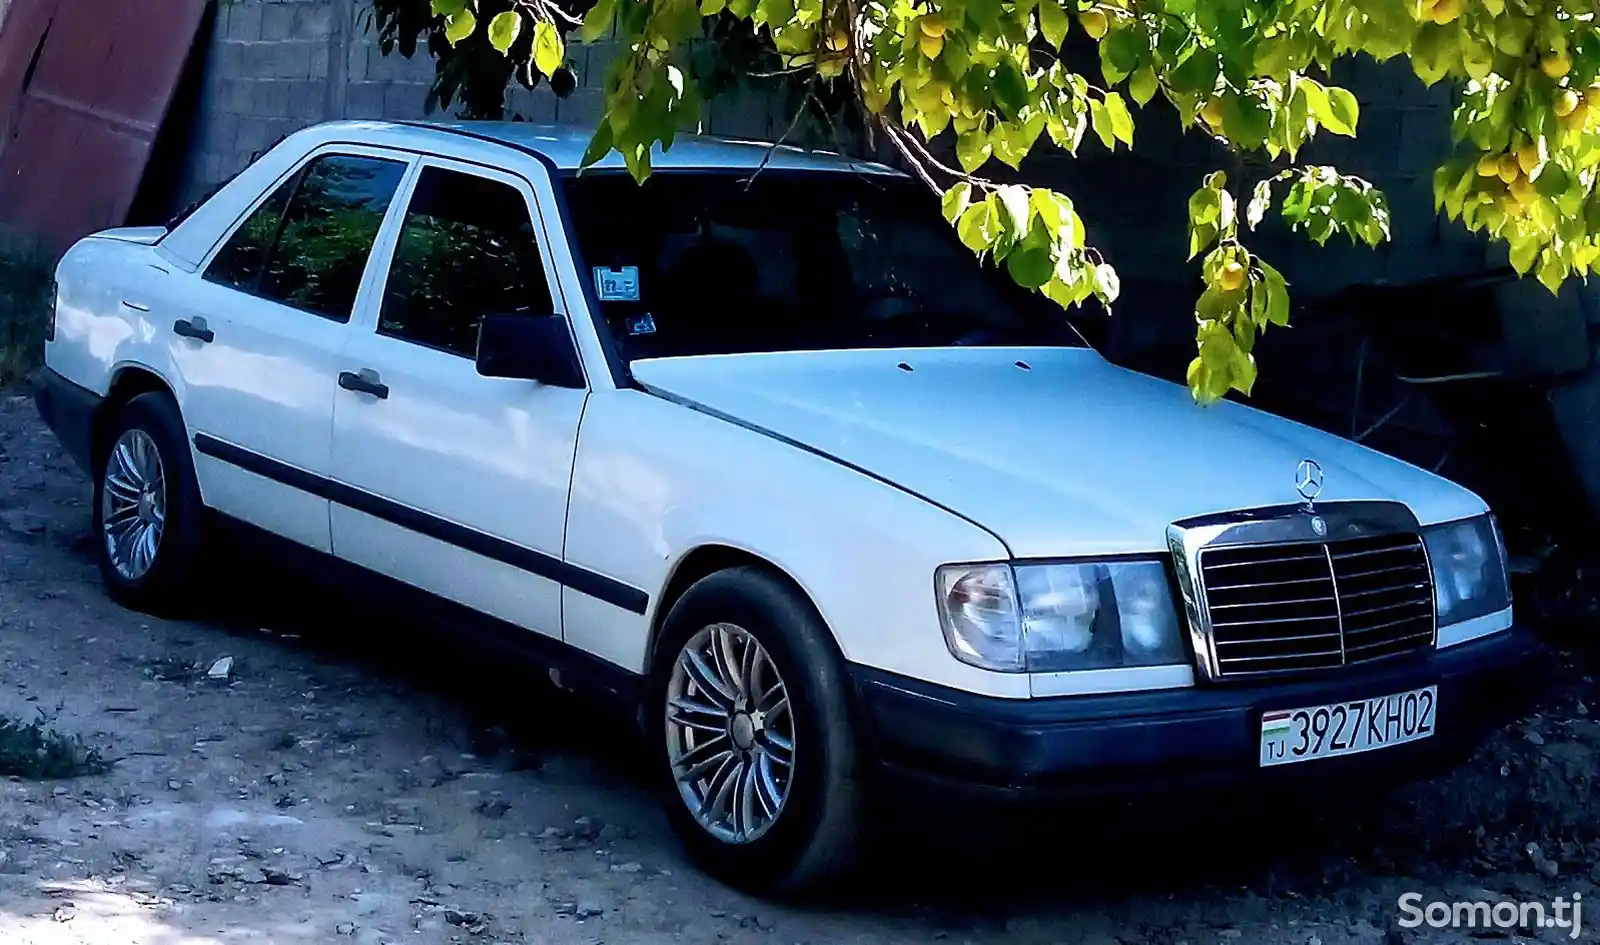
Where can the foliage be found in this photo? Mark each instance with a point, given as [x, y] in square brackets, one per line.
[25, 279]
[37, 752]
[988, 81]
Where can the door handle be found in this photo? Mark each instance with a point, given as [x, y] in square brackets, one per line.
[194, 328]
[365, 382]
[136, 306]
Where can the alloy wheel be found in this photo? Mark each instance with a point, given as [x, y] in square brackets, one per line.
[730, 733]
[133, 504]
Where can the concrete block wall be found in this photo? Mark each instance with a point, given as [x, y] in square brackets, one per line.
[274, 66]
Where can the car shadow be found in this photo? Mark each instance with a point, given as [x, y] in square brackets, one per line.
[959, 863]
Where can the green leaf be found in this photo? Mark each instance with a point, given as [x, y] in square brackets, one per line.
[1142, 85]
[1260, 201]
[597, 22]
[1121, 121]
[448, 7]
[1108, 285]
[548, 51]
[1552, 181]
[1100, 119]
[1010, 89]
[972, 150]
[460, 26]
[1343, 112]
[1436, 49]
[1205, 216]
[1031, 266]
[775, 12]
[1122, 52]
[1244, 371]
[1046, 205]
[1523, 252]
[599, 145]
[504, 30]
[1014, 198]
[1053, 22]
[978, 228]
[1196, 75]
[1277, 295]
[956, 201]
[1552, 271]
[1246, 120]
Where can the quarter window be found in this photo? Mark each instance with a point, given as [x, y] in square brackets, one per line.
[238, 264]
[320, 227]
[467, 250]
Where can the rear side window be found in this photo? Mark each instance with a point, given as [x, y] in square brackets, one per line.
[467, 250]
[320, 227]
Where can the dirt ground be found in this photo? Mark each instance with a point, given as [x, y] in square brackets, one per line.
[357, 781]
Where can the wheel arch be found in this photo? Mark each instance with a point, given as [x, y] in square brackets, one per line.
[712, 558]
[127, 382]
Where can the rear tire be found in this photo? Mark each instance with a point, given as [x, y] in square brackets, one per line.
[148, 517]
[770, 798]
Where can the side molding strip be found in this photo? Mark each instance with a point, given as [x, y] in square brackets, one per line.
[582, 580]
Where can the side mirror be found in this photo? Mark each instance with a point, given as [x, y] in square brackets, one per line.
[531, 348]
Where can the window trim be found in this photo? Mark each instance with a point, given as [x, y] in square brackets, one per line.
[296, 176]
[388, 244]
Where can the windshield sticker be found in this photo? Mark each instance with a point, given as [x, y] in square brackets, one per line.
[642, 325]
[617, 285]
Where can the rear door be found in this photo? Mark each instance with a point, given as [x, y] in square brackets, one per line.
[458, 482]
[258, 335]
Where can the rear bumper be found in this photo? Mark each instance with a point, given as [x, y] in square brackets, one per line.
[1130, 744]
[69, 411]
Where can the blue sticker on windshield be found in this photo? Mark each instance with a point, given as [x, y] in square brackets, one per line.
[617, 285]
[642, 325]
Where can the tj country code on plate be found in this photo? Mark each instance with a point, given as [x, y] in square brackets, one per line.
[1347, 728]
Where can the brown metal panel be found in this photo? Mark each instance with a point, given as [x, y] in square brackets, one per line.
[89, 111]
[21, 33]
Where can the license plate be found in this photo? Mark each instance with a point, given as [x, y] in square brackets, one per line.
[1347, 728]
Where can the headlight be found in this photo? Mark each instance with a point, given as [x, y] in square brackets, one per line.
[1043, 618]
[1469, 569]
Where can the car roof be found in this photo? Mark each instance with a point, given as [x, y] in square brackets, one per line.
[564, 145]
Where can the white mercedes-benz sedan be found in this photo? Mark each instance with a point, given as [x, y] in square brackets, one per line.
[760, 450]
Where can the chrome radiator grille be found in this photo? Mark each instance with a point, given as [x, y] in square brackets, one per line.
[1316, 605]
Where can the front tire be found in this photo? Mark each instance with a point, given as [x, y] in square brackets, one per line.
[755, 735]
[147, 510]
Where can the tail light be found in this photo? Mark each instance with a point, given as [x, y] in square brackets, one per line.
[55, 304]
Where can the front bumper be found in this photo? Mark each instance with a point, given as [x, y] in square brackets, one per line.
[1208, 736]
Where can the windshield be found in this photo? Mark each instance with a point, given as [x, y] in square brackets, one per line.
[714, 263]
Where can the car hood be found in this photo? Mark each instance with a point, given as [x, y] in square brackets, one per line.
[1068, 455]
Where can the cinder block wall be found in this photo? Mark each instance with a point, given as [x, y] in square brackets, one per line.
[274, 66]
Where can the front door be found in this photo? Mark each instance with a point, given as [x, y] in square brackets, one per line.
[458, 483]
[257, 337]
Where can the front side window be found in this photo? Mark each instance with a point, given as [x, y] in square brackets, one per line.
[713, 262]
[467, 250]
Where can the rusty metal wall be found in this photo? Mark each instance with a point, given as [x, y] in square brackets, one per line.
[84, 88]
